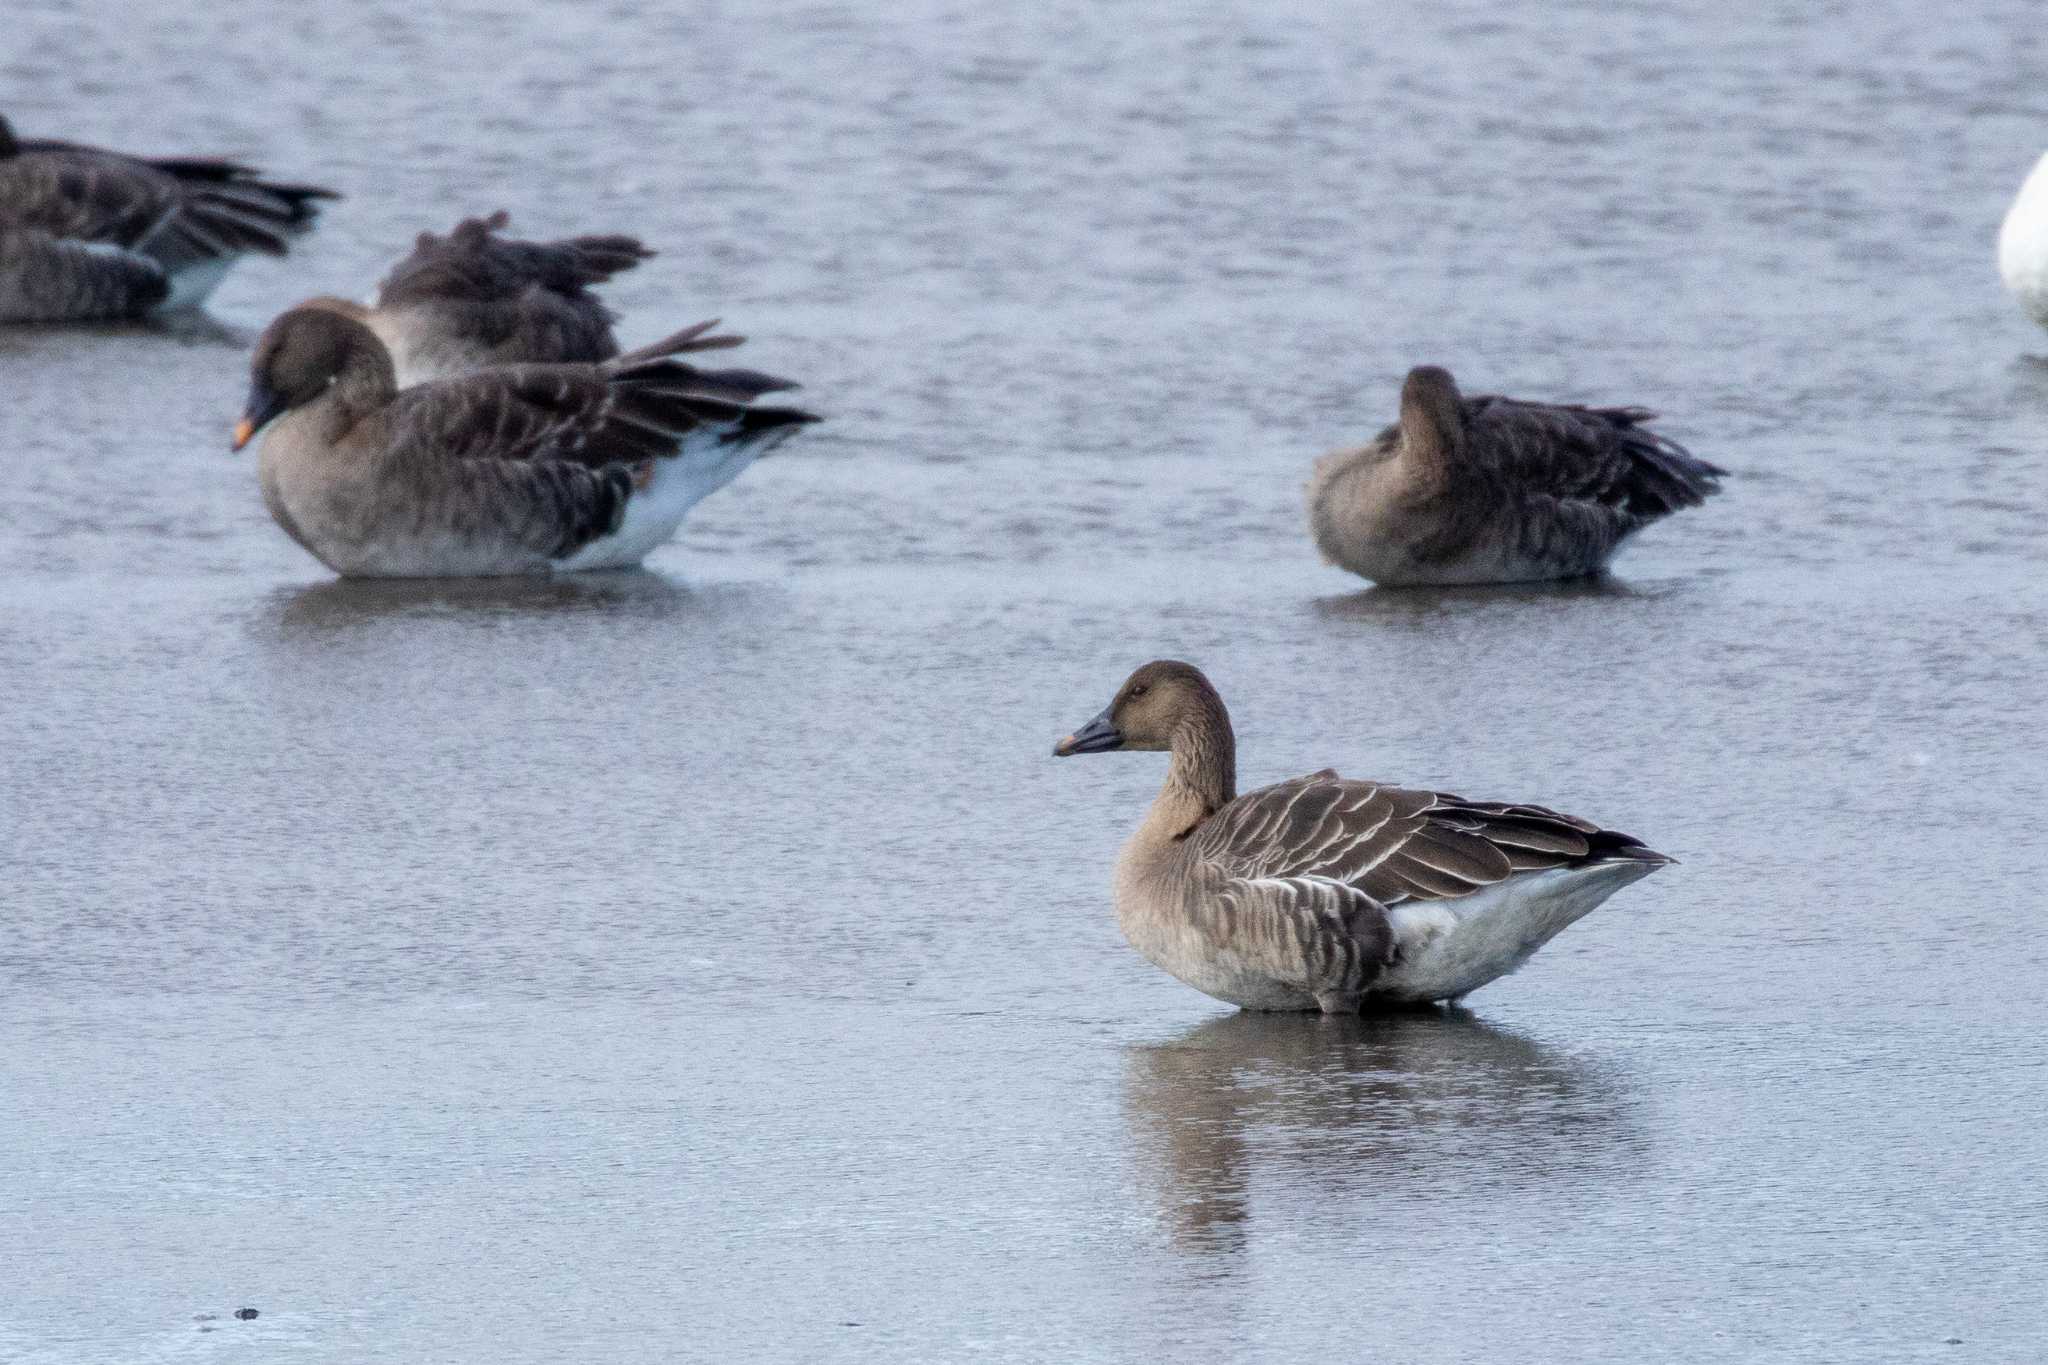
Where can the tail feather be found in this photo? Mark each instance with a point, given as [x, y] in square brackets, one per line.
[593, 260]
[755, 424]
[1667, 476]
[691, 338]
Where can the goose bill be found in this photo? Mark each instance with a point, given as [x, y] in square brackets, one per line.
[1098, 736]
[261, 407]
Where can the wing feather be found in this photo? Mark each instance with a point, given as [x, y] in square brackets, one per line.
[1390, 843]
[1601, 457]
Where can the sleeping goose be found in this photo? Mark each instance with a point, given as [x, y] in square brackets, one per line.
[2023, 244]
[1325, 893]
[1496, 490]
[91, 235]
[511, 469]
[475, 298]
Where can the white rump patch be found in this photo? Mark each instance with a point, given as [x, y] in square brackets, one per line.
[1450, 948]
[681, 481]
[191, 285]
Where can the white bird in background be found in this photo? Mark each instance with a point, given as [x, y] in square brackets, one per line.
[2023, 244]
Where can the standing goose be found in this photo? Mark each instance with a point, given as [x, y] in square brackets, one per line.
[475, 298]
[89, 235]
[1330, 894]
[513, 469]
[1496, 490]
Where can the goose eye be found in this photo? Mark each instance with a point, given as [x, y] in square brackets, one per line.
[1139, 691]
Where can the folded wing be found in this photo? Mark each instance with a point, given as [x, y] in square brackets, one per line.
[1604, 456]
[1394, 844]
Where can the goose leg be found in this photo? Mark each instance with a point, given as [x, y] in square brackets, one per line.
[1337, 1002]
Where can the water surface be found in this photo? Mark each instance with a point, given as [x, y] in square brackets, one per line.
[710, 963]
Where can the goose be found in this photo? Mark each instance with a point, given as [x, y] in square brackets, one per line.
[476, 297]
[89, 235]
[1496, 490]
[1326, 893]
[505, 470]
[2023, 244]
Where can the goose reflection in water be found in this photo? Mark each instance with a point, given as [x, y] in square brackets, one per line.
[1434, 604]
[341, 603]
[1341, 1121]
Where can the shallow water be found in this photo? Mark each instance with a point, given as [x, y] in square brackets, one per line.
[710, 963]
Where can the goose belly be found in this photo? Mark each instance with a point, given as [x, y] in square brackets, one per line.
[337, 522]
[1196, 959]
[1495, 556]
[1449, 948]
[429, 557]
[1402, 542]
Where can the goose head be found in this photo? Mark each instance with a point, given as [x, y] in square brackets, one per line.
[300, 356]
[1431, 407]
[1154, 704]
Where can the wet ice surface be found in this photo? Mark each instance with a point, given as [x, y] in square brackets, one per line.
[711, 963]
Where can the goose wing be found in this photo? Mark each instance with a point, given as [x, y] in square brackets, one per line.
[1391, 843]
[591, 415]
[81, 193]
[548, 456]
[1606, 456]
[474, 263]
[178, 210]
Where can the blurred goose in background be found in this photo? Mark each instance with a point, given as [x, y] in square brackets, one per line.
[88, 235]
[1327, 894]
[509, 469]
[475, 298]
[1496, 490]
[2023, 244]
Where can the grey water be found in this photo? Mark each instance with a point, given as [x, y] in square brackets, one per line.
[710, 963]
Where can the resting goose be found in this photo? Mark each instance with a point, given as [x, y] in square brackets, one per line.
[477, 298]
[88, 235]
[512, 469]
[1327, 893]
[2023, 244]
[1496, 490]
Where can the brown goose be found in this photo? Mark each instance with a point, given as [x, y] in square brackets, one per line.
[475, 298]
[93, 235]
[512, 469]
[1326, 893]
[1496, 490]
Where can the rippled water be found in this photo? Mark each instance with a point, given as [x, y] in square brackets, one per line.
[710, 963]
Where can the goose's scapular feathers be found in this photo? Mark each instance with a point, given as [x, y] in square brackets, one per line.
[88, 234]
[511, 469]
[1327, 893]
[1493, 490]
[477, 297]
